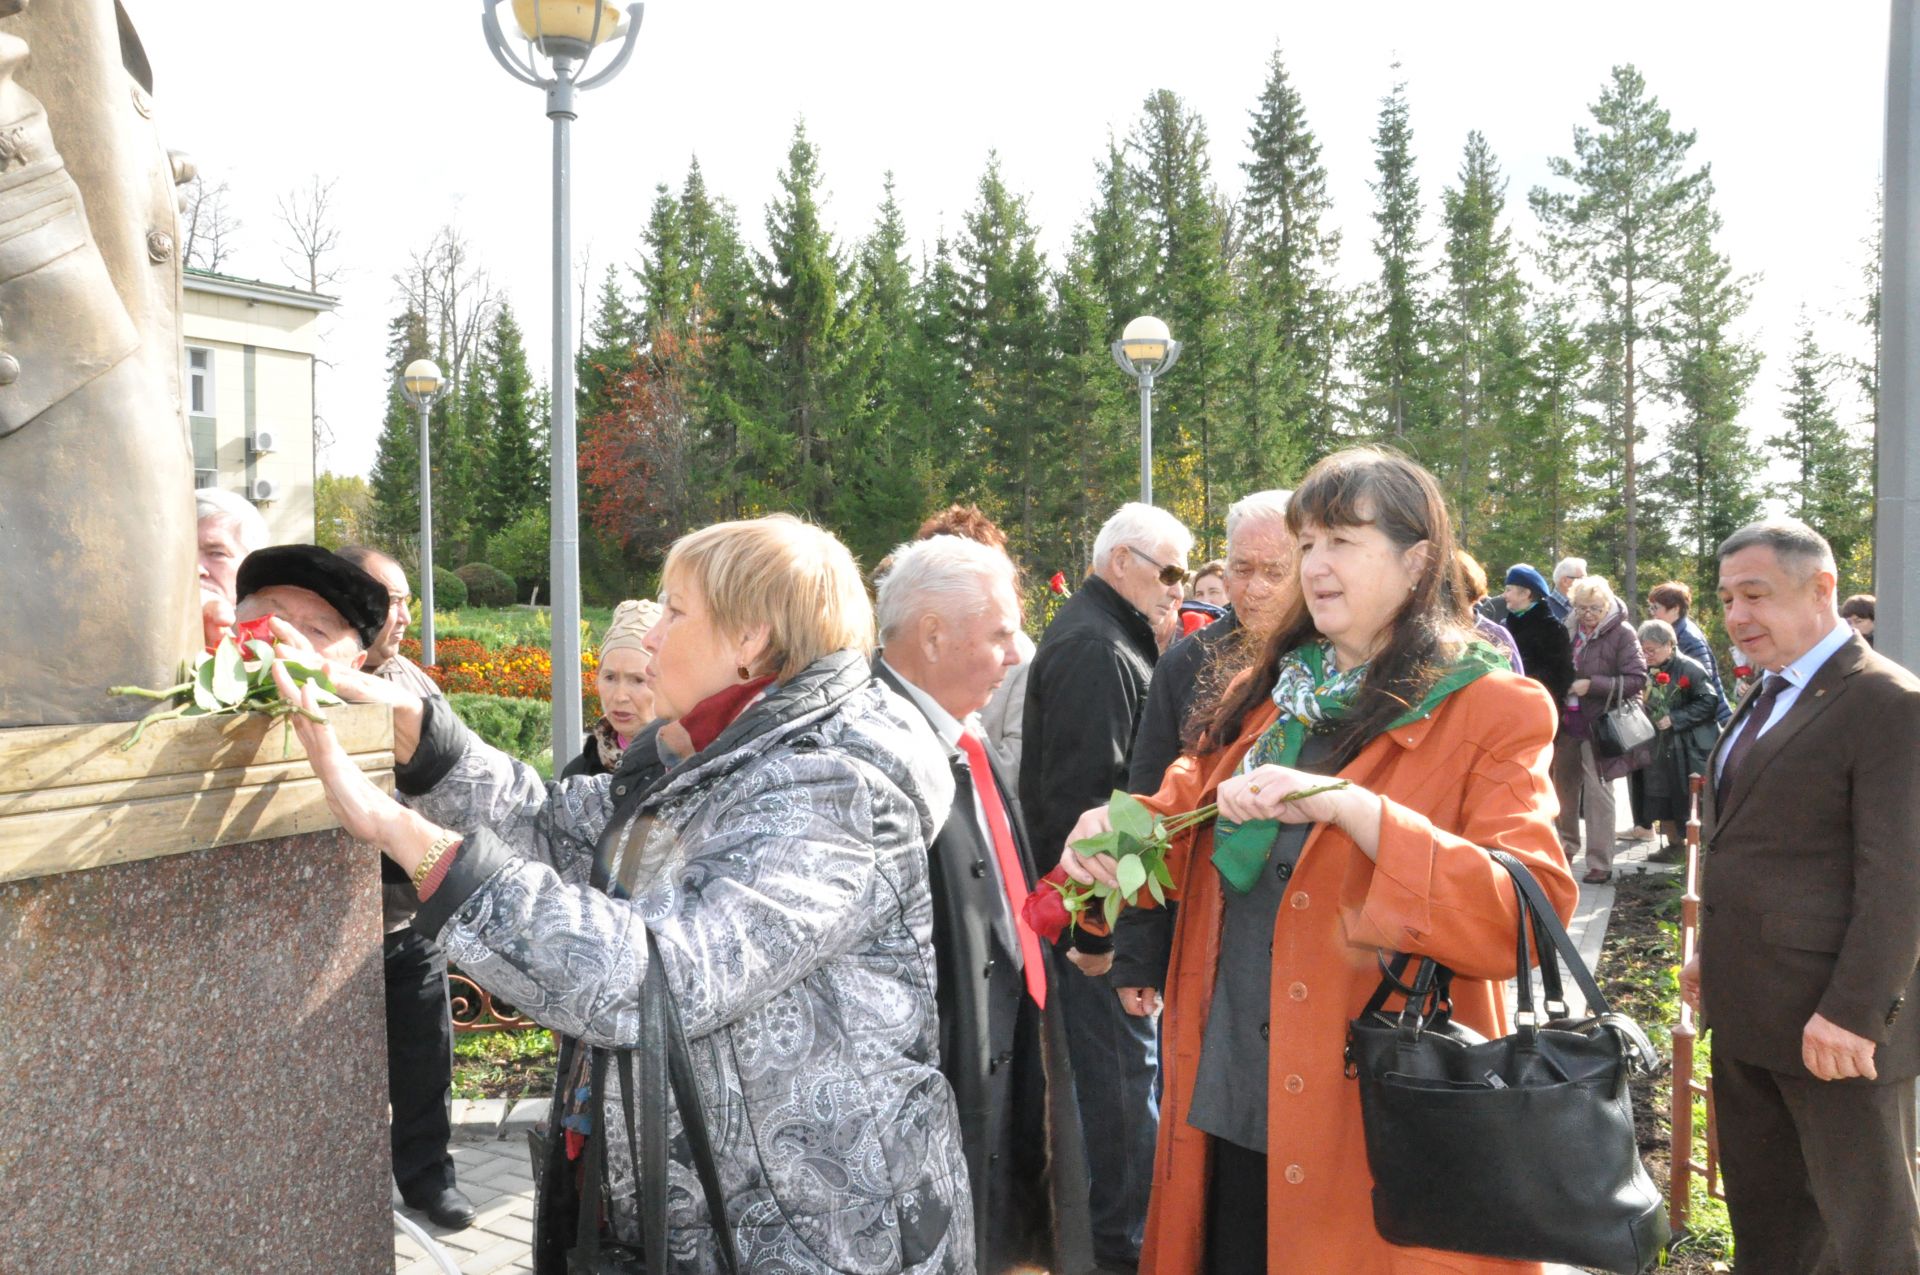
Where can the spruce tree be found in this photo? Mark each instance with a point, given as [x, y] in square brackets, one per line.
[1827, 487]
[514, 461]
[1284, 321]
[1189, 289]
[1009, 357]
[613, 342]
[805, 331]
[1538, 485]
[1627, 223]
[1479, 334]
[1708, 484]
[1393, 346]
[396, 463]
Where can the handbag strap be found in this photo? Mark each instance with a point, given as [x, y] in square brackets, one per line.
[586, 1235]
[678, 1061]
[1544, 919]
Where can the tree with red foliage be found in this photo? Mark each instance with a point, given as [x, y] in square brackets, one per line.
[633, 456]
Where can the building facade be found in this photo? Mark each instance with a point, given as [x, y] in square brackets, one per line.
[249, 368]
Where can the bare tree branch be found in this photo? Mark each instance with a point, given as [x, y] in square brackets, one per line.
[306, 216]
[208, 227]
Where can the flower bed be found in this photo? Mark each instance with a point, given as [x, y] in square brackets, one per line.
[464, 666]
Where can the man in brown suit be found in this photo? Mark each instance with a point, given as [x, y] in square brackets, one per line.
[1811, 930]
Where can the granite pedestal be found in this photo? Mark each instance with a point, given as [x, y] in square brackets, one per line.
[192, 1049]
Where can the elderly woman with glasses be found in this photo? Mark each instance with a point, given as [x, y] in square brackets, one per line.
[1608, 669]
[780, 866]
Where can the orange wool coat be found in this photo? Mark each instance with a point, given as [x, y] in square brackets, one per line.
[1474, 774]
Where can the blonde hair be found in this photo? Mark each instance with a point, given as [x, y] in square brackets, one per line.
[789, 575]
[1591, 589]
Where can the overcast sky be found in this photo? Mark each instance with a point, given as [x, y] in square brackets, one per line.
[402, 103]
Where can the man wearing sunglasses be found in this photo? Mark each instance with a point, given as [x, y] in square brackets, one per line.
[1085, 694]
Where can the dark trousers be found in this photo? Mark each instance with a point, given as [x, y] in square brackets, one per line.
[419, 1063]
[1115, 1061]
[1819, 1174]
[1236, 1211]
[1637, 797]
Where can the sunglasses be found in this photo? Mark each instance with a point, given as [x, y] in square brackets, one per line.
[1169, 574]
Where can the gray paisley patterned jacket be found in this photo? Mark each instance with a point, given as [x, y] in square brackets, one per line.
[783, 872]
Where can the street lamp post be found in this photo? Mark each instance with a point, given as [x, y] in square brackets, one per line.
[1146, 350]
[566, 33]
[420, 383]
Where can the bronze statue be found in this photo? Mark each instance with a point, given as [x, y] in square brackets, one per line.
[96, 470]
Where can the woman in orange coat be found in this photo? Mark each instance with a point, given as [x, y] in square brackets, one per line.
[1377, 677]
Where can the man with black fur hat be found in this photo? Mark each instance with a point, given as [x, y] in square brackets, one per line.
[343, 611]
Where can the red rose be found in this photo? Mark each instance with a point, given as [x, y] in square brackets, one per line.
[1045, 910]
[1743, 670]
[260, 630]
[1683, 682]
[1058, 584]
[1661, 678]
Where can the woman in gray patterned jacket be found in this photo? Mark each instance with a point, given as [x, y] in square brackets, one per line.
[773, 838]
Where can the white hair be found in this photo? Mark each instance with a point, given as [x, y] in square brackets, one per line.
[1140, 526]
[950, 575]
[249, 527]
[1575, 567]
[1260, 506]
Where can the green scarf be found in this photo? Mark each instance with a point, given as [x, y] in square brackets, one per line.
[1309, 692]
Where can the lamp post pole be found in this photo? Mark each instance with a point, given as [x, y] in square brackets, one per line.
[420, 383]
[1896, 531]
[1145, 350]
[568, 46]
[1146, 436]
[564, 473]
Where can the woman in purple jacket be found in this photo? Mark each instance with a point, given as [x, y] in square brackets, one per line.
[1609, 669]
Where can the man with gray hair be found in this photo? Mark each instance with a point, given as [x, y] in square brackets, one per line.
[1085, 696]
[1811, 937]
[230, 528]
[949, 619]
[1565, 572]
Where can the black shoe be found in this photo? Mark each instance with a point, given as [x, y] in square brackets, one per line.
[446, 1208]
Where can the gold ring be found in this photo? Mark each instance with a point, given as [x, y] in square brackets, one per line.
[1253, 787]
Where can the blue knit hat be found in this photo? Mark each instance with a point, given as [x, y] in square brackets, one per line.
[1524, 575]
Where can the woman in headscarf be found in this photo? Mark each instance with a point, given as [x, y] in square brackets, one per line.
[626, 701]
[1539, 630]
[1376, 676]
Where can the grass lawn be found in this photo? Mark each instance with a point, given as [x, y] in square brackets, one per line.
[506, 1064]
[1639, 971]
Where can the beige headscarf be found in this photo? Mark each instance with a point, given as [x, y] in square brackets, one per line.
[631, 620]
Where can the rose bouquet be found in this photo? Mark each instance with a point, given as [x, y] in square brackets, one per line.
[1661, 694]
[1137, 842]
[236, 676]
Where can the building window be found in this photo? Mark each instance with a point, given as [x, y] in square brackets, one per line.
[199, 381]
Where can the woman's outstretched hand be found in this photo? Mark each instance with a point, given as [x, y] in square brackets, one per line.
[356, 801]
[1089, 869]
[1262, 793]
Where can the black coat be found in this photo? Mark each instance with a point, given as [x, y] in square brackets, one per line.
[1085, 697]
[1683, 749]
[1143, 937]
[1546, 649]
[1005, 1058]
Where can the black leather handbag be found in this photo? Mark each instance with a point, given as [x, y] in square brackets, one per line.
[662, 1062]
[1522, 1147]
[1624, 730]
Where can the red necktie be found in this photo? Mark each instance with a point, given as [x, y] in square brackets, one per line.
[1012, 875]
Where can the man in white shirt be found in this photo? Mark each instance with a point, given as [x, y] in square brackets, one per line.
[949, 618]
[1810, 933]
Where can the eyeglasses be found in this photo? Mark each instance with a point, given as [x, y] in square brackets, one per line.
[1275, 571]
[1169, 574]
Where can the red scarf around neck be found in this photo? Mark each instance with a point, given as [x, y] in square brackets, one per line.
[705, 720]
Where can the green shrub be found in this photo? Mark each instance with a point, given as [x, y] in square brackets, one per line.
[521, 727]
[449, 590]
[522, 549]
[486, 586]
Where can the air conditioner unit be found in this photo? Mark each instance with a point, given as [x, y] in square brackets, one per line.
[264, 441]
[264, 489]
